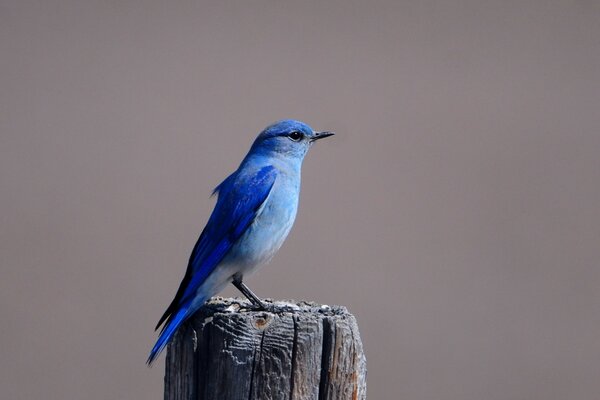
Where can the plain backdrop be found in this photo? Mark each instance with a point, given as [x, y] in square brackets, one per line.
[455, 213]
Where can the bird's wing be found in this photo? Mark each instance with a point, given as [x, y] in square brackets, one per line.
[240, 199]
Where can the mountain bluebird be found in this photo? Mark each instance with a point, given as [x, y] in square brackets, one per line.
[255, 211]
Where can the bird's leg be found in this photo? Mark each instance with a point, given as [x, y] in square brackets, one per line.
[254, 299]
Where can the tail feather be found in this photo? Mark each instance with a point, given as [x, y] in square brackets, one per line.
[167, 333]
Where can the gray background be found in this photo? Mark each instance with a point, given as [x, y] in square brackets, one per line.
[456, 213]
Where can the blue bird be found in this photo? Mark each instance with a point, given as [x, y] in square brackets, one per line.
[255, 210]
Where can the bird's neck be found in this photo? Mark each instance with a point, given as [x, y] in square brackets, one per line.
[285, 164]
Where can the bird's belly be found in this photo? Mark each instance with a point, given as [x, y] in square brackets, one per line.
[264, 237]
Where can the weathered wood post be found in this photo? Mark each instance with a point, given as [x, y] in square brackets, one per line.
[295, 351]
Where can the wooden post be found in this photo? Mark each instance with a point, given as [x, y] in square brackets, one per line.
[296, 351]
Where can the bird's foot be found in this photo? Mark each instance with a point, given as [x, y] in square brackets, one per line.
[262, 306]
[271, 307]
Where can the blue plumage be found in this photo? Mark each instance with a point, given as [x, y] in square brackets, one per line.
[255, 210]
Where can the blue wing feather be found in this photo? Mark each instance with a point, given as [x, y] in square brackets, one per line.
[240, 198]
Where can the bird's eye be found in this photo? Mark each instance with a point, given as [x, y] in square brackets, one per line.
[296, 136]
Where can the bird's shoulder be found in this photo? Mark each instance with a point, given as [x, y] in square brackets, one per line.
[248, 179]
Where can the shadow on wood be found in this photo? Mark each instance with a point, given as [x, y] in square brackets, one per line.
[295, 351]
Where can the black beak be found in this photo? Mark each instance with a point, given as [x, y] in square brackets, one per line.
[321, 135]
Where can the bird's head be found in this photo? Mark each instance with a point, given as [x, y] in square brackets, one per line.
[287, 138]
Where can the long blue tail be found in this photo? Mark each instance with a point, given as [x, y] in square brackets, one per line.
[168, 332]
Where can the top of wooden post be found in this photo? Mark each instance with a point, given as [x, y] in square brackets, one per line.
[294, 350]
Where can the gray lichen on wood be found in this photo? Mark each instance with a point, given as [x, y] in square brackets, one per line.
[295, 351]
